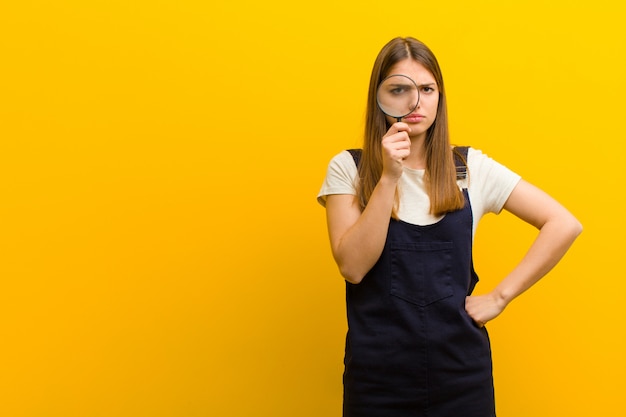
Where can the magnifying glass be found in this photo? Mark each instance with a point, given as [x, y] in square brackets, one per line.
[398, 96]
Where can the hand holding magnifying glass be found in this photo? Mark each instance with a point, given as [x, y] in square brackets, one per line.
[398, 96]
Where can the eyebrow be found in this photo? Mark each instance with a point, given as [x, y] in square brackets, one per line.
[401, 84]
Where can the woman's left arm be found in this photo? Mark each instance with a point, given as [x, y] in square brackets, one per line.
[558, 229]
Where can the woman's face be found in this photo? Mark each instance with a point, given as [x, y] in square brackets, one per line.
[425, 113]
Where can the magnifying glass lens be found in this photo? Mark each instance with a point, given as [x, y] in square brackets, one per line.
[398, 96]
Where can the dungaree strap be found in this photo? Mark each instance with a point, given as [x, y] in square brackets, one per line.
[460, 161]
[356, 155]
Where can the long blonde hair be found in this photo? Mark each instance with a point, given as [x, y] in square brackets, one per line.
[440, 174]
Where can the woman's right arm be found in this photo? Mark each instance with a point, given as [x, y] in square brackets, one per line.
[357, 238]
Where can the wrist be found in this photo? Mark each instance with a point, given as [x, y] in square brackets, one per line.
[502, 296]
[390, 180]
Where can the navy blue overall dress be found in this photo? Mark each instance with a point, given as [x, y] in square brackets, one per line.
[411, 349]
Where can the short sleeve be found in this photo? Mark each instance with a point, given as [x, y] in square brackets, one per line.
[341, 176]
[490, 183]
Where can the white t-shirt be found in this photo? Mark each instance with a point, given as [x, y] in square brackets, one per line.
[489, 186]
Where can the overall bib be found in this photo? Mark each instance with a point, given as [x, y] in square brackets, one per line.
[411, 349]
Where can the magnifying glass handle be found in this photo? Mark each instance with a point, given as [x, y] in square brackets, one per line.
[399, 119]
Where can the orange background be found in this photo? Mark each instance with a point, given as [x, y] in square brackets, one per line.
[161, 250]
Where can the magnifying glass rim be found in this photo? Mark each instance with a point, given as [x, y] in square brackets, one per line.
[416, 89]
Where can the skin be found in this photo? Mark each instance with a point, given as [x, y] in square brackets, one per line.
[357, 238]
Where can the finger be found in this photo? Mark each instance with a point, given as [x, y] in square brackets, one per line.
[396, 142]
[396, 136]
[399, 148]
[401, 127]
[397, 128]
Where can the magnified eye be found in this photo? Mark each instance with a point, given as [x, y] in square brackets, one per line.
[398, 90]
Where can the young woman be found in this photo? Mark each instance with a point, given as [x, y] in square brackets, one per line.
[401, 225]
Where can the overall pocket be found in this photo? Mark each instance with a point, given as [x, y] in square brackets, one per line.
[421, 272]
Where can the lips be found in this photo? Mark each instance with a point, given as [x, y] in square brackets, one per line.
[414, 118]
